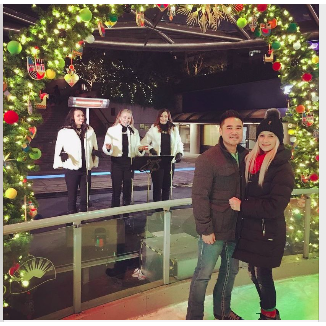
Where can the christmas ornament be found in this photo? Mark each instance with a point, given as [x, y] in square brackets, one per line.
[290, 125]
[300, 109]
[238, 8]
[317, 158]
[42, 104]
[61, 63]
[35, 153]
[14, 47]
[85, 15]
[315, 59]
[253, 23]
[257, 32]
[78, 51]
[304, 179]
[314, 98]
[71, 77]
[265, 29]
[291, 132]
[296, 46]
[276, 45]
[272, 23]
[261, 8]
[50, 74]
[162, 7]
[307, 119]
[101, 28]
[25, 148]
[113, 19]
[306, 77]
[140, 19]
[292, 28]
[11, 193]
[315, 133]
[11, 117]
[270, 57]
[36, 70]
[13, 269]
[276, 66]
[241, 22]
[32, 132]
[293, 139]
[314, 177]
[90, 39]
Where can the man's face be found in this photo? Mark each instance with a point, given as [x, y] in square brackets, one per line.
[232, 131]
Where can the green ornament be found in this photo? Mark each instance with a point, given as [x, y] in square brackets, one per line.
[62, 63]
[242, 22]
[298, 216]
[113, 18]
[292, 28]
[315, 73]
[14, 47]
[35, 154]
[257, 32]
[276, 45]
[85, 14]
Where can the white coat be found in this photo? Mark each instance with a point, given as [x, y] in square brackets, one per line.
[113, 136]
[152, 139]
[69, 141]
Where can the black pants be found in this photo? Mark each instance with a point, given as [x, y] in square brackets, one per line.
[75, 179]
[121, 173]
[263, 280]
[162, 182]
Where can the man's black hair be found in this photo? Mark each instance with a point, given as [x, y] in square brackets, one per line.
[230, 114]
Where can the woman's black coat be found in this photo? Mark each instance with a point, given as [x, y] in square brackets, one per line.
[263, 229]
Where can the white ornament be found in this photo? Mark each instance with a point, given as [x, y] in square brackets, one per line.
[90, 38]
[296, 46]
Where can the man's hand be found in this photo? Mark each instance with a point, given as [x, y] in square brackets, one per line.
[209, 239]
[235, 203]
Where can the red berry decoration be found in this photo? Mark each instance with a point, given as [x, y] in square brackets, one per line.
[238, 7]
[11, 117]
[276, 66]
[306, 77]
[261, 8]
[317, 158]
[13, 269]
[314, 177]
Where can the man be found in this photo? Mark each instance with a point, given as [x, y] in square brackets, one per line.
[217, 178]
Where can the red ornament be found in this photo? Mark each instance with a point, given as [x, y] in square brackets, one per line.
[262, 8]
[273, 23]
[238, 7]
[13, 269]
[81, 42]
[314, 177]
[317, 158]
[36, 47]
[24, 180]
[71, 67]
[11, 117]
[300, 109]
[306, 77]
[304, 179]
[276, 66]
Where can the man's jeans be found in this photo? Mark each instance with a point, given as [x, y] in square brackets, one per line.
[207, 258]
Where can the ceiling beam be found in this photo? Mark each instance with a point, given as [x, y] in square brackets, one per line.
[313, 14]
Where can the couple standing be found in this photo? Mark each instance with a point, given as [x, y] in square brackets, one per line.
[238, 202]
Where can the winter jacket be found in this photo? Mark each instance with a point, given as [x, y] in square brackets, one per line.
[113, 136]
[69, 141]
[152, 139]
[263, 228]
[217, 179]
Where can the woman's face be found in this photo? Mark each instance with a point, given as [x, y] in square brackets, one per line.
[164, 118]
[125, 119]
[79, 118]
[267, 141]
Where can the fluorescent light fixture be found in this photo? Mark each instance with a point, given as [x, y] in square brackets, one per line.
[84, 102]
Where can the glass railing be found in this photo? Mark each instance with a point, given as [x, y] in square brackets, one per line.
[113, 253]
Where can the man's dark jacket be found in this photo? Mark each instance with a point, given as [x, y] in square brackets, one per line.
[263, 228]
[217, 179]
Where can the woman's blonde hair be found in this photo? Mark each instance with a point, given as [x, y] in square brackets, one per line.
[251, 159]
[117, 120]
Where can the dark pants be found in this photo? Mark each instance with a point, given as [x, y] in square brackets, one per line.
[75, 179]
[121, 173]
[162, 182]
[263, 280]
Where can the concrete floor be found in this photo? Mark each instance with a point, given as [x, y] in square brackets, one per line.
[298, 299]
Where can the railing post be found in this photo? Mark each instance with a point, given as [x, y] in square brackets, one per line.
[77, 234]
[166, 247]
[306, 238]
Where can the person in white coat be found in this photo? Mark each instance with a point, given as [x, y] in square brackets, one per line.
[163, 138]
[122, 143]
[76, 151]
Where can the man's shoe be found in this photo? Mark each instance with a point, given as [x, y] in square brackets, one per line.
[232, 316]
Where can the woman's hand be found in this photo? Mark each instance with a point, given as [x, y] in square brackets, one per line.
[235, 203]
[142, 148]
[108, 146]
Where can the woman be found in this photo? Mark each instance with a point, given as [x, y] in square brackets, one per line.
[270, 181]
[163, 138]
[75, 151]
[122, 142]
